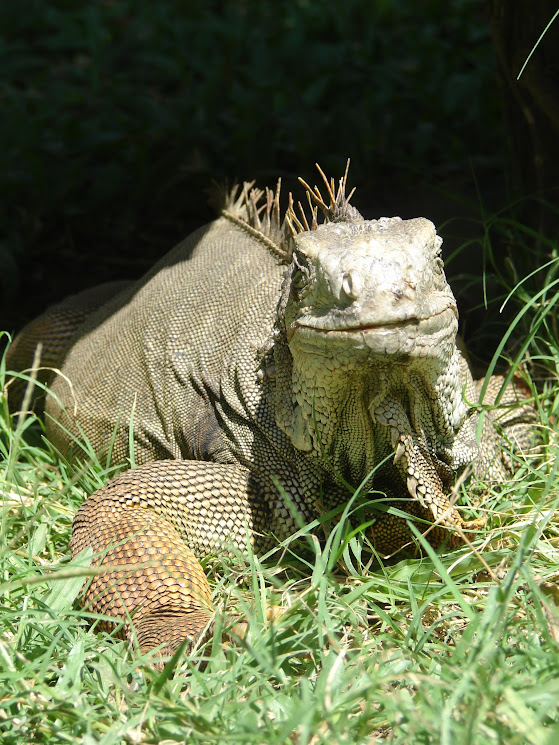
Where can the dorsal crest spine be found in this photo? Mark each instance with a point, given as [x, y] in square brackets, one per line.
[259, 212]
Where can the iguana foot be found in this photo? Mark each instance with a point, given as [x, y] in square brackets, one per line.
[166, 631]
[391, 535]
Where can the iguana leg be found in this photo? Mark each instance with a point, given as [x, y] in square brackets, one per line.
[159, 516]
[423, 491]
[513, 424]
[427, 494]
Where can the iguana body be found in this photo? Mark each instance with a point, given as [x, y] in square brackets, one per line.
[259, 353]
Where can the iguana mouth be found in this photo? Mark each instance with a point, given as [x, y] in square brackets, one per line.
[384, 337]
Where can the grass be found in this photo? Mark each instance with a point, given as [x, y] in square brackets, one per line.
[458, 647]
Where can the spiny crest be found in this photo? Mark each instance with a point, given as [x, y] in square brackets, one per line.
[259, 212]
[338, 208]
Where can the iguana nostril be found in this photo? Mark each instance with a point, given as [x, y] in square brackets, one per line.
[406, 290]
[352, 283]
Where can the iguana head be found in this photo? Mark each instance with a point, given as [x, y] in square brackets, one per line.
[375, 287]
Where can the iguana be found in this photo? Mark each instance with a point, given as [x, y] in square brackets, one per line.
[264, 356]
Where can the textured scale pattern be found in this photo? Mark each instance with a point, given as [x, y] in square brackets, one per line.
[261, 351]
[51, 332]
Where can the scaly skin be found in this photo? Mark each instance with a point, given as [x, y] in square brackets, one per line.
[150, 516]
[262, 351]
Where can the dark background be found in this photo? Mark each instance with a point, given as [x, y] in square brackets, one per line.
[115, 117]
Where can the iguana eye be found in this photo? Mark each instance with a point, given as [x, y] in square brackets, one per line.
[298, 280]
[300, 276]
[352, 284]
[438, 255]
[439, 252]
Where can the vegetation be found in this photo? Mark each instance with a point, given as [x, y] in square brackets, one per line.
[117, 116]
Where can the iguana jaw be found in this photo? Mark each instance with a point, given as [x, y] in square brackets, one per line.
[410, 337]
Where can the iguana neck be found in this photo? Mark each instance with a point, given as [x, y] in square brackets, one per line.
[351, 414]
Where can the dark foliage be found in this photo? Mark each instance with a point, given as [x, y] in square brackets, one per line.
[117, 114]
